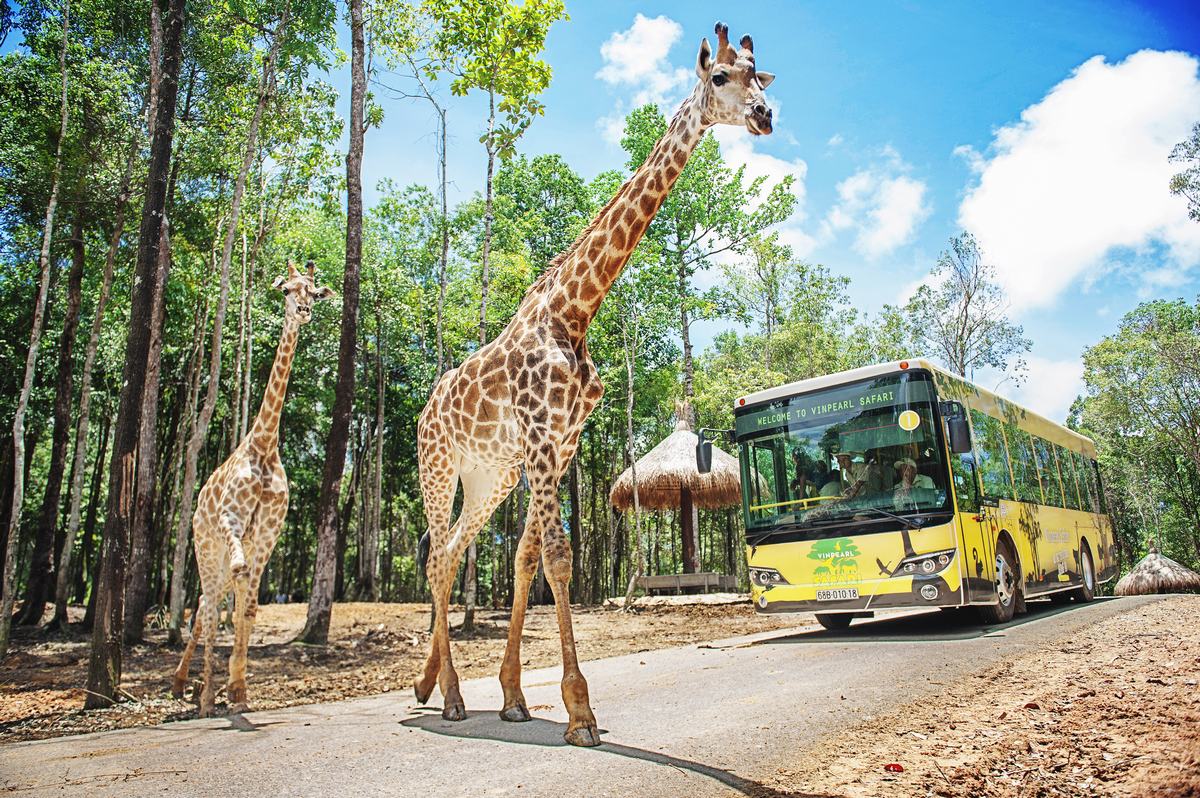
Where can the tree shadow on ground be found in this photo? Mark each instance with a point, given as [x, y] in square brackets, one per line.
[486, 725]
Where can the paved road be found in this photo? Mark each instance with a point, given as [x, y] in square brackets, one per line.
[696, 721]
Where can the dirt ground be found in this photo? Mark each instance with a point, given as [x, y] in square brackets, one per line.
[1117, 713]
[374, 648]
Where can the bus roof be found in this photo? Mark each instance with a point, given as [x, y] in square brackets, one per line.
[1028, 417]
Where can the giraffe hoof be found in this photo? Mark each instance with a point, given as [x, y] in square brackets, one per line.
[584, 736]
[238, 708]
[177, 688]
[236, 695]
[517, 713]
[421, 695]
[454, 712]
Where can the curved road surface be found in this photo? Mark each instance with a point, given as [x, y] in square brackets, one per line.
[696, 721]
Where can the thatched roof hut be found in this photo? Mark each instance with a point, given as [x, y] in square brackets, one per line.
[670, 467]
[1158, 574]
[667, 479]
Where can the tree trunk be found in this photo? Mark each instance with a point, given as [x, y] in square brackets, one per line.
[266, 88]
[320, 605]
[688, 529]
[8, 586]
[38, 588]
[62, 590]
[630, 335]
[104, 666]
[137, 590]
[689, 369]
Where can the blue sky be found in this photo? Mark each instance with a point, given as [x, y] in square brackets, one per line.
[1043, 128]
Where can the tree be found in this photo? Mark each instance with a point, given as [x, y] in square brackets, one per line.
[1141, 406]
[962, 317]
[320, 604]
[104, 665]
[8, 587]
[1187, 183]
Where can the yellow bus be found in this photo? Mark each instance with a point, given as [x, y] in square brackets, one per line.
[901, 485]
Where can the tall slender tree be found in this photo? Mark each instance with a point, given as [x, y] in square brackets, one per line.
[104, 665]
[320, 604]
[8, 586]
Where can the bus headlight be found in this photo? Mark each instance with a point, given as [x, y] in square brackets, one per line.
[766, 577]
[923, 566]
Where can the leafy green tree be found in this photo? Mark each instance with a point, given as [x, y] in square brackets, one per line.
[494, 46]
[1141, 405]
[961, 318]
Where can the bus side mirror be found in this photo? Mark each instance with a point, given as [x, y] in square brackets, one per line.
[703, 456]
[704, 448]
[960, 435]
[956, 427]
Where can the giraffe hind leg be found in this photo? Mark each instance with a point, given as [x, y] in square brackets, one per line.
[179, 682]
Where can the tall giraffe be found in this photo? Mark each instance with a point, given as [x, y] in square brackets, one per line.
[241, 510]
[522, 399]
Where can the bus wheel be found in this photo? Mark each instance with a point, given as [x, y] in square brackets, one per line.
[1008, 588]
[1086, 591]
[836, 621]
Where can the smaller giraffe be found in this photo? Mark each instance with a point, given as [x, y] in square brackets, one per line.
[241, 510]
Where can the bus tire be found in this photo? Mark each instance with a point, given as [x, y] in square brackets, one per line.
[834, 621]
[1087, 588]
[1008, 587]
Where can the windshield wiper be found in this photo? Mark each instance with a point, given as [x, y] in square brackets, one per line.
[908, 522]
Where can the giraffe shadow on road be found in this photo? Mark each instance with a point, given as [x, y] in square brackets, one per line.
[486, 725]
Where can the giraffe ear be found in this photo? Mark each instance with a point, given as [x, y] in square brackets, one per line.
[765, 78]
[703, 60]
[324, 292]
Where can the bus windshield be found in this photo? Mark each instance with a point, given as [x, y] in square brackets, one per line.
[858, 451]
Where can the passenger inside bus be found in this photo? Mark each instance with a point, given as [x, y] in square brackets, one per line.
[903, 495]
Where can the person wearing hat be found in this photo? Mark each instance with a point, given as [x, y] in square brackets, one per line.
[908, 479]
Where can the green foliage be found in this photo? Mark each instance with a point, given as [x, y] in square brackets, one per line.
[1142, 407]
[493, 46]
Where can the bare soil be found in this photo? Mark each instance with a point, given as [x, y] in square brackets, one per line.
[1114, 713]
[373, 648]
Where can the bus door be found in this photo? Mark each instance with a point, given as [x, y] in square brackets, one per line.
[977, 531]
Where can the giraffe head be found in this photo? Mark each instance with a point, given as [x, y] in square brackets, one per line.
[732, 91]
[300, 291]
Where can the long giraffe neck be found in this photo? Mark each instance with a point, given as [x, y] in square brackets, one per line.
[264, 434]
[589, 268]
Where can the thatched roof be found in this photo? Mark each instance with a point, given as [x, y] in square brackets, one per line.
[1158, 574]
[670, 466]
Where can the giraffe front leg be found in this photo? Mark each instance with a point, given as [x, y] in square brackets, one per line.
[525, 567]
[556, 560]
[179, 682]
[245, 612]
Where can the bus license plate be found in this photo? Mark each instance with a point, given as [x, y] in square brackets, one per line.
[837, 594]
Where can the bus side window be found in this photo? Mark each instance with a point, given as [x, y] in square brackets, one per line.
[1024, 469]
[1051, 483]
[1069, 482]
[991, 456]
[966, 490]
[1099, 483]
[1087, 483]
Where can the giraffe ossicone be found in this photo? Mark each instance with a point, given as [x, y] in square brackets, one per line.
[521, 400]
[241, 509]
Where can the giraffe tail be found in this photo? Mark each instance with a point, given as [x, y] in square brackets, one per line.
[423, 552]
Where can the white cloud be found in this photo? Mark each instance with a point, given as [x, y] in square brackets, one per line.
[1080, 181]
[835, 141]
[637, 58]
[882, 204]
[1049, 388]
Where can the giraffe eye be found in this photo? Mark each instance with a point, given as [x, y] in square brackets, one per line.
[719, 80]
